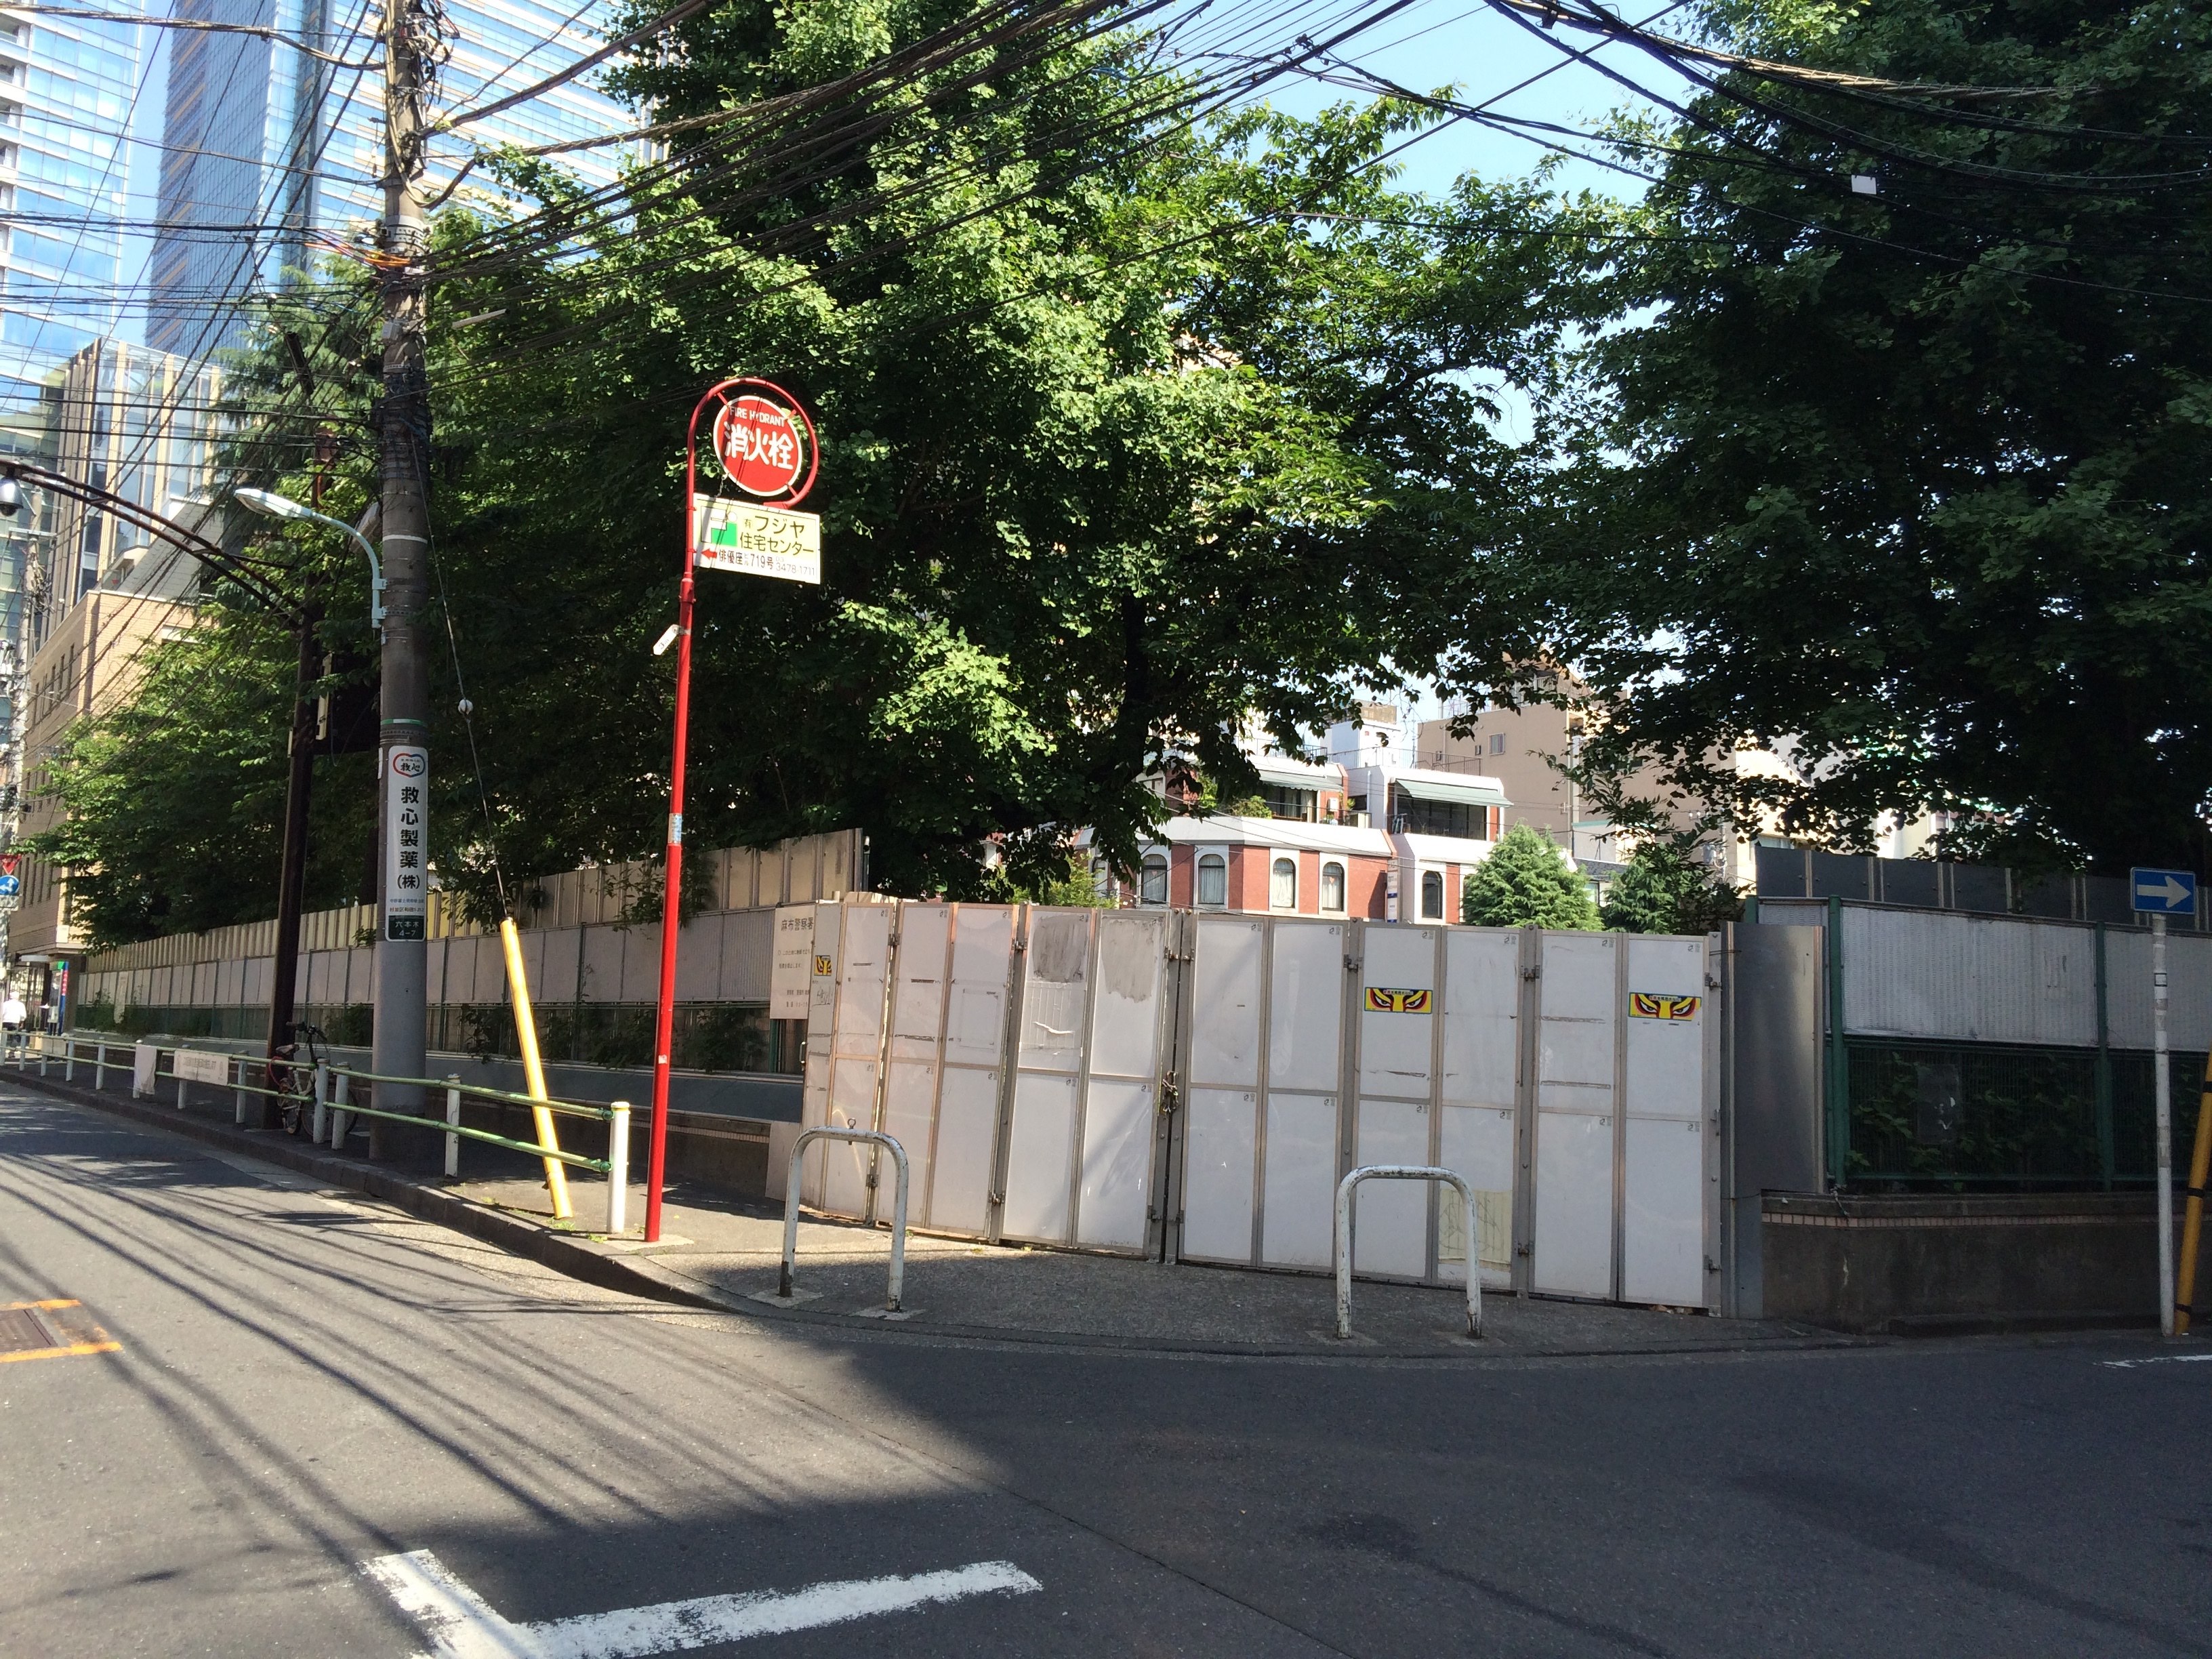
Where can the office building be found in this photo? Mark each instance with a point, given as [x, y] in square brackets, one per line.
[259, 134]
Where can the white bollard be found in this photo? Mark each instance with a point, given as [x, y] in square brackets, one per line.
[339, 1113]
[453, 1121]
[99, 1067]
[618, 1169]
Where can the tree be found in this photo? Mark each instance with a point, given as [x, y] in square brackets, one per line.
[175, 801]
[1130, 428]
[1914, 486]
[1662, 891]
[1525, 882]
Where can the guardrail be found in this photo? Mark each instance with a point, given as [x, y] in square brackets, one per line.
[335, 1108]
[1401, 1172]
[869, 1137]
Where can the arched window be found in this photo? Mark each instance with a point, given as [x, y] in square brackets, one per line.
[1212, 880]
[1153, 880]
[1283, 885]
[1432, 896]
[1332, 886]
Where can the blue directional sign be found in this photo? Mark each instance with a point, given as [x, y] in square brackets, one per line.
[10, 886]
[2163, 892]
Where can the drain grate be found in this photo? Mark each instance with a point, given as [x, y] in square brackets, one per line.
[54, 1329]
[20, 1330]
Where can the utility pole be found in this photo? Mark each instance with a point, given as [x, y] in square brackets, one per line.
[403, 769]
[284, 971]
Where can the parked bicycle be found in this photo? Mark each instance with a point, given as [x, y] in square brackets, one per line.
[292, 1075]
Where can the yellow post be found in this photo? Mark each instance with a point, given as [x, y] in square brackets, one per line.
[2192, 1217]
[533, 1068]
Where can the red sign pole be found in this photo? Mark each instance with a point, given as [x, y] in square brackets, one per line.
[664, 1029]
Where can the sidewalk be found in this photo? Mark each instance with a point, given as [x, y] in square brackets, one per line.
[720, 1251]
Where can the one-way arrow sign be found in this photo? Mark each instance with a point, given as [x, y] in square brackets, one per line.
[2164, 892]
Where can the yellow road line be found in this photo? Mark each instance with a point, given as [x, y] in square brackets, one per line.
[18, 1307]
[61, 1353]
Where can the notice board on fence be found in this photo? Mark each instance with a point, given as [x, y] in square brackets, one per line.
[791, 968]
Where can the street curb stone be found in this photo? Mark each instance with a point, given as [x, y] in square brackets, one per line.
[624, 1270]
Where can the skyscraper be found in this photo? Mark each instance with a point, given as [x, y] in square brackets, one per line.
[68, 86]
[270, 154]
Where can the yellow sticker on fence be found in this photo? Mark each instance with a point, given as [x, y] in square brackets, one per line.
[1648, 1005]
[1381, 1001]
[823, 967]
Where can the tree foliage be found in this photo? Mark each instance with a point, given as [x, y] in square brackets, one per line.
[1664, 891]
[1526, 883]
[1914, 486]
[1104, 466]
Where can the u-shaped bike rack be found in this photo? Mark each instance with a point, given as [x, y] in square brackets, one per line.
[869, 1137]
[1401, 1172]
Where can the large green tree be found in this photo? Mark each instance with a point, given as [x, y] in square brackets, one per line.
[1897, 449]
[1129, 427]
[1523, 883]
[1132, 424]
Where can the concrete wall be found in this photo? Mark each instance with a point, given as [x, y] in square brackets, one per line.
[1973, 1261]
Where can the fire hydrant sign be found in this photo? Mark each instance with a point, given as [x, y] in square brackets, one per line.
[757, 541]
[406, 841]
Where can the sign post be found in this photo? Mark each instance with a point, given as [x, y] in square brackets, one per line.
[765, 442]
[2160, 894]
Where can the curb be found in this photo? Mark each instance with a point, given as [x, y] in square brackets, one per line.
[586, 1260]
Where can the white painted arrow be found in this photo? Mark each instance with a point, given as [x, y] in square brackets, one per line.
[2165, 888]
[462, 1625]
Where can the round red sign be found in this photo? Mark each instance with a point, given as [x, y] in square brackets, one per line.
[760, 445]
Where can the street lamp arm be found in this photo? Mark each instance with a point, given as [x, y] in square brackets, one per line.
[270, 504]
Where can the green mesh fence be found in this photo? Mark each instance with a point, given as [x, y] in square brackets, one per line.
[1979, 1114]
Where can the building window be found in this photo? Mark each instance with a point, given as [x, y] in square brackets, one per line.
[1432, 896]
[1331, 887]
[1283, 885]
[1212, 880]
[1153, 880]
[1411, 815]
[1297, 805]
[1496, 743]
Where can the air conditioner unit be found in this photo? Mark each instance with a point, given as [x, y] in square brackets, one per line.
[1357, 820]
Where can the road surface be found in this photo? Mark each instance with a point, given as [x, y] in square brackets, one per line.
[327, 1429]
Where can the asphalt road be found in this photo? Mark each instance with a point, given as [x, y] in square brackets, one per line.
[321, 1410]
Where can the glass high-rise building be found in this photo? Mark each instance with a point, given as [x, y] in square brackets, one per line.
[68, 88]
[258, 135]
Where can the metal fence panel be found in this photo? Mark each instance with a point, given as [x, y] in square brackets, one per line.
[1577, 1036]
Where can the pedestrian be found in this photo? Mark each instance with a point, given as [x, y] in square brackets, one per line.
[13, 1013]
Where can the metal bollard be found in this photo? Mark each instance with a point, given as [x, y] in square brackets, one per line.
[339, 1113]
[1346, 1187]
[176, 1055]
[858, 1137]
[69, 1059]
[238, 1113]
[618, 1169]
[453, 1121]
[99, 1067]
[322, 1094]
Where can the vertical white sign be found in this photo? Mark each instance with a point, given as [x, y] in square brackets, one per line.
[406, 841]
[791, 969]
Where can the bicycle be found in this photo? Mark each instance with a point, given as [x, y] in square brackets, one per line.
[293, 1078]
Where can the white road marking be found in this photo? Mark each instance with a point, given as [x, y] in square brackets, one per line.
[462, 1625]
[2156, 1359]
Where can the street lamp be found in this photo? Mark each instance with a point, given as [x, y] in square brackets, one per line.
[270, 504]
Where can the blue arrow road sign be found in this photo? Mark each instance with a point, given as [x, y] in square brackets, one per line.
[10, 886]
[2164, 892]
